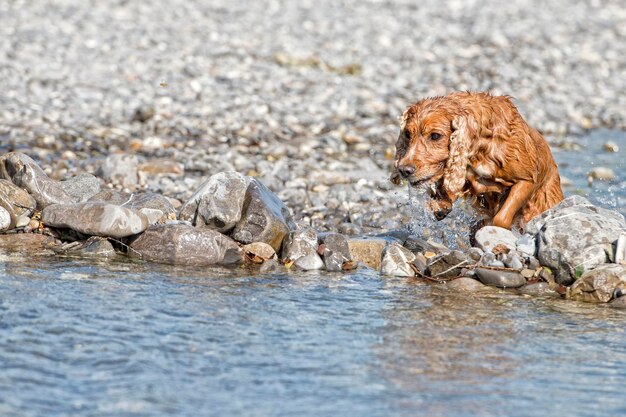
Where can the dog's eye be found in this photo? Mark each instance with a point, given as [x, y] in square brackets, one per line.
[435, 136]
[407, 135]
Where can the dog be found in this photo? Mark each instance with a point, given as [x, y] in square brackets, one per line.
[477, 146]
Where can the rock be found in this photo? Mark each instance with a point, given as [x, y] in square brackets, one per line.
[416, 244]
[161, 167]
[620, 250]
[139, 202]
[120, 169]
[271, 266]
[95, 246]
[538, 289]
[15, 201]
[527, 273]
[309, 262]
[30, 244]
[489, 237]
[95, 219]
[512, 260]
[154, 216]
[420, 263]
[299, 243]
[396, 261]
[264, 217]
[335, 250]
[501, 279]
[599, 284]
[448, 265]
[218, 203]
[611, 146]
[464, 284]
[81, 187]
[526, 245]
[258, 252]
[475, 254]
[368, 251]
[349, 229]
[182, 244]
[602, 174]
[22, 221]
[5, 220]
[575, 236]
[24, 172]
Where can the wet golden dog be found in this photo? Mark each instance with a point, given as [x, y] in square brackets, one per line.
[477, 146]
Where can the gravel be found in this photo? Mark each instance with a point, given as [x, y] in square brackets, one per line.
[305, 95]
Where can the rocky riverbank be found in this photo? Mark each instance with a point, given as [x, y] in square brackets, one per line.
[575, 250]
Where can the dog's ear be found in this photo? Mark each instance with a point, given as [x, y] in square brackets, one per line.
[463, 130]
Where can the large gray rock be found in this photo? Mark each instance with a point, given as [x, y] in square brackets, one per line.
[24, 172]
[575, 236]
[15, 201]
[335, 250]
[600, 284]
[300, 247]
[397, 261]
[120, 169]
[264, 217]
[81, 187]
[185, 245]
[95, 219]
[488, 237]
[218, 203]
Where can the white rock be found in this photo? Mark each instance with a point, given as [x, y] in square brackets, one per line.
[5, 220]
[489, 237]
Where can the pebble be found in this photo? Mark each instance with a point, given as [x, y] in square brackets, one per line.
[602, 174]
[611, 146]
[465, 284]
[538, 289]
[397, 261]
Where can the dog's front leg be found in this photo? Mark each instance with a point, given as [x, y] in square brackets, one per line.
[518, 196]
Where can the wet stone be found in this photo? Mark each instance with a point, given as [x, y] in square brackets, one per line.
[258, 252]
[139, 202]
[24, 172]
[182, 244]
[501, 279]
[526, 245]
[368, 251]
[512, 260]
[309, 262]
[619, 303]
[335, 250]
[81, 187]
[448, 265]
[620, 250]
[218, 203]
[299, 243]
[465, 284]
[264, 217]
[538, 289]
[93, 247]
[349, 229]
[15, 201]
[95, 219]
[488, 237]
[27, 243]
[600, 284]
[397, 261]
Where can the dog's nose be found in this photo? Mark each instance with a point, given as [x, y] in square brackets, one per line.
[406, 170]
[441, 214]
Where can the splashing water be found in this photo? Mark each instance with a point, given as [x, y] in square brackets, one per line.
[454, 231]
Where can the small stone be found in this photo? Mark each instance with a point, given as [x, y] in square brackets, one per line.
[526, 245]
[120, 169]
[465, 284]
[619, 303]
[397, 261]
[309, 262]
[490, 237]
[602, 174]
[161, 167]
[335, 250]
[349, 229]
[448, 265]
[527, 273]
[95, 219]
[5, 220]
[258, 252]
[271, 266]
[33, 224]
[538, 289]
[501, 279]
[27, 243]
[475, 254]
[153, 215]
[22, 221]
[15, 201]
[611, 146]
[512, 260]
[185, 245]
[368, 251]
[95, 246]
[420, 263]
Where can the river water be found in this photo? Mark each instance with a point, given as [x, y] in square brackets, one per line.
[117, 338]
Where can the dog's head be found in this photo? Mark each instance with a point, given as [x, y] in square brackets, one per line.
[432, 149]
